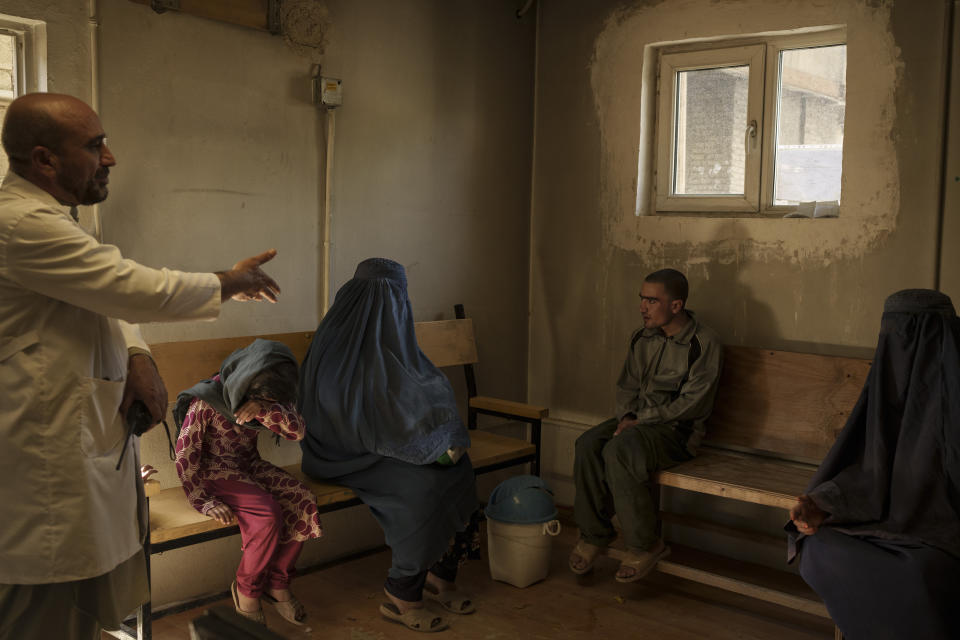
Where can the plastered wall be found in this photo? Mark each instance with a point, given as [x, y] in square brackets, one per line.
[802, 285]
[432, 162]
[218, 158]
[950, 237]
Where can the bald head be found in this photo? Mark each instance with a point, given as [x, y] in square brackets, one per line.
[38, 120]
[57, 142]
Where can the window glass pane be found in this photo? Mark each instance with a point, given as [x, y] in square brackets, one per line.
[8, 76]
[710, 126]
[810, 107]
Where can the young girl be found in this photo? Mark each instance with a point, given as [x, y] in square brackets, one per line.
[225, 478]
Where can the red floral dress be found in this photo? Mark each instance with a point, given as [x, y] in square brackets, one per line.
[211, 447]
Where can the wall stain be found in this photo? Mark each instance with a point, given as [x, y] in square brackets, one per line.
[205, 190]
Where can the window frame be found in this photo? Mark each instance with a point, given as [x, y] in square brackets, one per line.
[772, 98]
[671, 64]
[30, 37]
[19, 64]
[30, 56]
[759, 170]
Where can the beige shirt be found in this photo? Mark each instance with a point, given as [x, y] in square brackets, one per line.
[66, 304]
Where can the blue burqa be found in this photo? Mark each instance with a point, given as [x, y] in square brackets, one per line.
[379, 414]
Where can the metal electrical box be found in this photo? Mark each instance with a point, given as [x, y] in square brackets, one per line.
[328, 92]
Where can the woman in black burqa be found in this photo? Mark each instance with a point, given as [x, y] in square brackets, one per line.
[382, 420]
[878, 530]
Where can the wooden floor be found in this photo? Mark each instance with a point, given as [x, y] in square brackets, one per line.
[342, 602]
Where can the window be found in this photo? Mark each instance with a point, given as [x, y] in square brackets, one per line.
[756, 127]
[9, 86]
[22, 63]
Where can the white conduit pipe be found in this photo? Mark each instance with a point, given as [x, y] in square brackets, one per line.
[327, 215]
[93, 22]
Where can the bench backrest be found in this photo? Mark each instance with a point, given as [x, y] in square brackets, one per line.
[182, 364]
[789, 404]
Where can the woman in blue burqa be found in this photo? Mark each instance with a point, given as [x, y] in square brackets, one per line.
[878, 530]
[383, 420]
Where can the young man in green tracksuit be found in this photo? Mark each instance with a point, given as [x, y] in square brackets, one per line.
[664, 395]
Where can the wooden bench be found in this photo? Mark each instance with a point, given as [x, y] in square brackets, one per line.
[175, 524]
[777, 414]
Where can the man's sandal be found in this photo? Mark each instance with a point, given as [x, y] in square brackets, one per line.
[256, 616]
[586, 552]
[453, 601]
[642, 562]
[419, 619]
[291, 610]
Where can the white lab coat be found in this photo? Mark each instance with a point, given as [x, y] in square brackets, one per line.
[66, 302]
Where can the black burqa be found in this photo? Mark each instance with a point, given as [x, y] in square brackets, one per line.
[379, 415]
[887, 559]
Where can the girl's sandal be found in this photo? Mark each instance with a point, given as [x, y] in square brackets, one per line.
[419, 619]
[291, 610]
[256, 616]
[457, 601]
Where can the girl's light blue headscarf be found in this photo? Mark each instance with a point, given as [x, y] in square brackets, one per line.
[366, 387]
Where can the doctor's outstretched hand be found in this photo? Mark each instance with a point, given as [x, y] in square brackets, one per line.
[247, 281]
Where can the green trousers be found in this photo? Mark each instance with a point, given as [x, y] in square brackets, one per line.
[612, 475]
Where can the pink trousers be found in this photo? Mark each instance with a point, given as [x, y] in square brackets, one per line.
[266, 563]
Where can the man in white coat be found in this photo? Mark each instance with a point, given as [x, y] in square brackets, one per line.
[71, 364]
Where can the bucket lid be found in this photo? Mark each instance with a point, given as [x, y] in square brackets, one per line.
[521, 500]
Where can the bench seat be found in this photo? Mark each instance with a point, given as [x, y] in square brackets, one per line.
[773, 408]
[172, 519]
[744, 477]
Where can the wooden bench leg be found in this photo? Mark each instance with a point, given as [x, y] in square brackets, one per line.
[145, 611]
[656, 491]
[837, 634]
[535, 429]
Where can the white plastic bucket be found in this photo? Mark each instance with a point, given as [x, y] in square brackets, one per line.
[520, 553]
